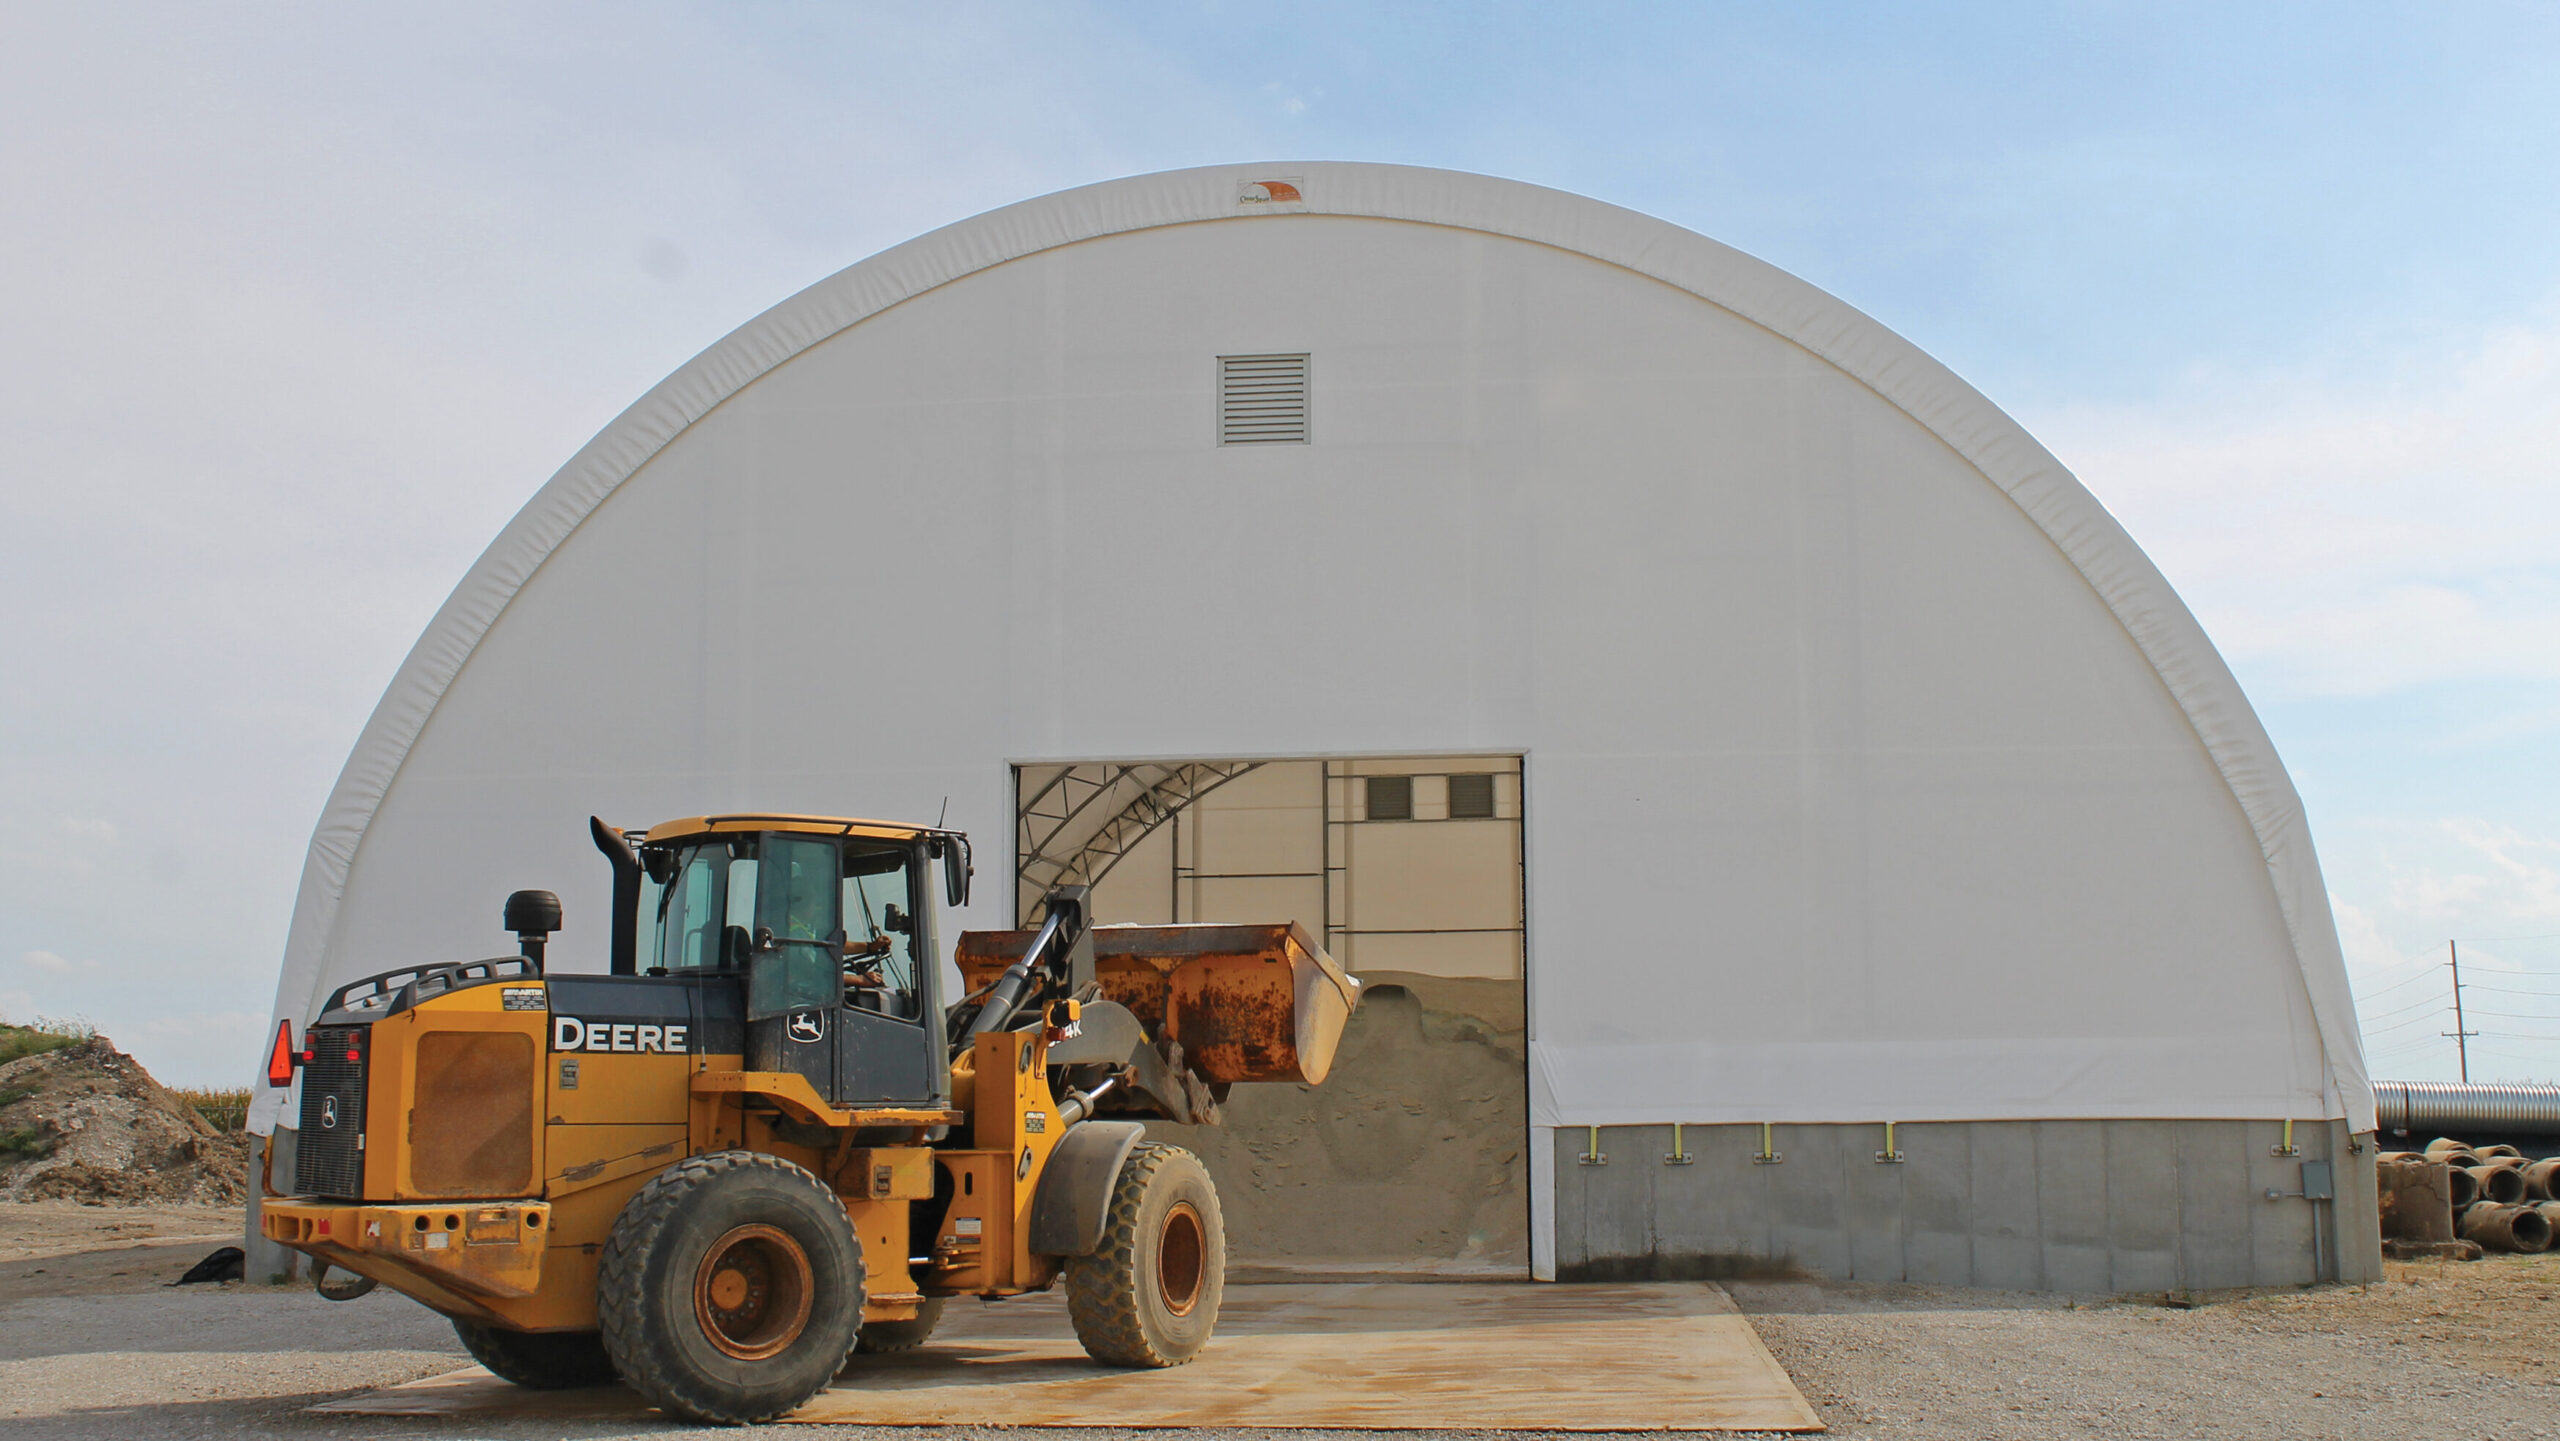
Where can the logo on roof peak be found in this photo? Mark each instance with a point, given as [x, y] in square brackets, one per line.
[1270, 192]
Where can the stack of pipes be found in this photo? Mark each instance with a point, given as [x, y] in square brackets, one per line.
[2499, 1198]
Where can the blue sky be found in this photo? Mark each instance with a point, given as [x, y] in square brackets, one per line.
[304, 301]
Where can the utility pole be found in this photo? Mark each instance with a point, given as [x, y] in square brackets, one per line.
[2461, 1036]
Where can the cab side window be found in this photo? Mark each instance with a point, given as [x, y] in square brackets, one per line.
[798, 899]
[880, 930]
[796, 939]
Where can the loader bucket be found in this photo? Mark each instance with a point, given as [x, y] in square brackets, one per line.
[1247, 1003]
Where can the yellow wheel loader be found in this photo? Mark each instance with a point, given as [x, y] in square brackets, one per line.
[764, 1143]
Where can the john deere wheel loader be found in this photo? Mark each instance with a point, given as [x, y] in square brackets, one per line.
[763, 1143]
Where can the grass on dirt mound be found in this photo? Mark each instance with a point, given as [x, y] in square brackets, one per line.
[19, 1042]
[22, 1142]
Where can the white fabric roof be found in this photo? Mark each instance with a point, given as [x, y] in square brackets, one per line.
[1874, 772]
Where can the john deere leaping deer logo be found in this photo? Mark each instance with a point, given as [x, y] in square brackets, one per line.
[807, 1025]
[328, 1113]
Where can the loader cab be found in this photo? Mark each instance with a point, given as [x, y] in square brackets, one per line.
[826, 929]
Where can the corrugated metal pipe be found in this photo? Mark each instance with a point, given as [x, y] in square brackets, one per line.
[2415, 1106]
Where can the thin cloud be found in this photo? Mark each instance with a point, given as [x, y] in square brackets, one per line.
[2527, 887]
[2378, 521]
[235, 1025]
[2519, 885]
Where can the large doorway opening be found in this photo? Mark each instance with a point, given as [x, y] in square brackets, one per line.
[1413, 1156]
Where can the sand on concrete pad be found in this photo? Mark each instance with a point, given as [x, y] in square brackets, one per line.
[1517, 1357]
[59, 1228]
[64, 1248]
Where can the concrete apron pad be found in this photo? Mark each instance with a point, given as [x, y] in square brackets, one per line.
[1424, 1357]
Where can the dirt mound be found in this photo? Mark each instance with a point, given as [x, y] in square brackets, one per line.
[87, 1123]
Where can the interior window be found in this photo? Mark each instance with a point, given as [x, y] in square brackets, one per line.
[880, 929]
[742, 893]
[690, 912]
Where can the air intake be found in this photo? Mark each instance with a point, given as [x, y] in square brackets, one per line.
[1262, 400]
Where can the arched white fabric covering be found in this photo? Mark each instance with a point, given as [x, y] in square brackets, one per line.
[1874, 773]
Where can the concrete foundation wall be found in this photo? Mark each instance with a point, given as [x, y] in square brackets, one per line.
[262, 1259]
[2022, 1205]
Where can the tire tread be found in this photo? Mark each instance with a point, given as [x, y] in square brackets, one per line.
[538, 1361]
[888, 1338]
[620, 1298]
[1103, 1289]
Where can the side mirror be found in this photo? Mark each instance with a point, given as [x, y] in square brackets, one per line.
[956, 871]
[659, 863]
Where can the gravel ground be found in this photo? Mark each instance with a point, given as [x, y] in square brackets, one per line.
[93, 1344]
[2474, 1348]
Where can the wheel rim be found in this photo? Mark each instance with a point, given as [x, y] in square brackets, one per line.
[752, 1292]
[1182, 1254]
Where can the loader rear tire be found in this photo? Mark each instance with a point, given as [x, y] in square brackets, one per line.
[538, 1360]
[1149, 1294]
[886, 1338]
[731, 1288]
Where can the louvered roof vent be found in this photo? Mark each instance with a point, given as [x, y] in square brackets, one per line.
[1262, 400]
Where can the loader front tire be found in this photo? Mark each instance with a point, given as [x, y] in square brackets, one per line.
[886, 1338]
[730, 1289]
[538, 1360]
[1149, 1294]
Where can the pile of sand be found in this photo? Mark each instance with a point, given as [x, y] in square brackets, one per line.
[1412, 1152]
[87, 1123]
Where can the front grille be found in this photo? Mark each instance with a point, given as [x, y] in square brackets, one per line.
[329, 1150]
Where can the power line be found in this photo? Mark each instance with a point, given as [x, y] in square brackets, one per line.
[2429, 1004]
[2429, 1018]
[2406, 1050]
[2425, 975]
[2394, 1037]
[2388, 1033]
[2384, 991]
[2407, 1039]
